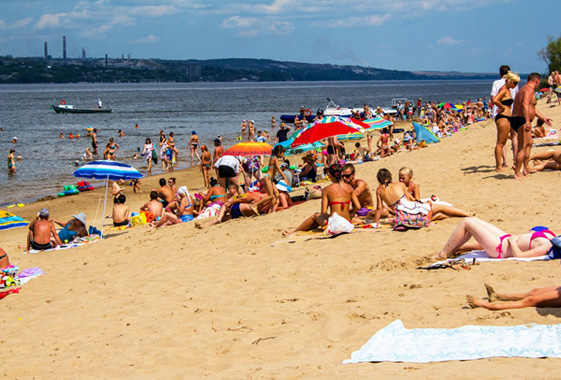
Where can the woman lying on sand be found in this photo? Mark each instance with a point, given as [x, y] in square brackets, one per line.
[496, 243]
[539, 297]
[398, 198]
[338, 197]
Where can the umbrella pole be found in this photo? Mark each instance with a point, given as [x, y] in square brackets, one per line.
[96, 211]
[104, 203]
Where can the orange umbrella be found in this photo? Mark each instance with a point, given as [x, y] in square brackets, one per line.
[249, 148]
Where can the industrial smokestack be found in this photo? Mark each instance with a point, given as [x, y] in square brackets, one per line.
[83, 53]
[46, 52]
[64, 47]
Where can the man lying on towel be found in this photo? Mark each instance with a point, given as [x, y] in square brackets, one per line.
[42, 234]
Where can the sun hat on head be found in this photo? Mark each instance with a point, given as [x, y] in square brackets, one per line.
[44, 213]
[193, 132]
[15, 138]
[81, 217]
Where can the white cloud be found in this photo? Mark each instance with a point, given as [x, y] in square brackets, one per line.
[449, 41]
[239, 22]
[153, 10]
[49, 20]
[146, 40]
[252, 26]
[280, 27]
[353, 22]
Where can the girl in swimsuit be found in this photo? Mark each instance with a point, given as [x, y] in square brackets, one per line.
[272, 171]
[339, 197]
[397, 194]
[503, 100]
[405, 174]
[494, 241]
[206, 159]
[193, 145]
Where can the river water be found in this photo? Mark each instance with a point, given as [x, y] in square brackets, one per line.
[211, 109]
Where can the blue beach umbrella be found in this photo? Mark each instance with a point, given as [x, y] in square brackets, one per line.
[107, 170]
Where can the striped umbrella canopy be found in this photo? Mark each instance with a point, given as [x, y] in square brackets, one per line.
[107, 170]
[249, 148]
[319, 131]
[377, 123]
[344, 120]
[303, 148]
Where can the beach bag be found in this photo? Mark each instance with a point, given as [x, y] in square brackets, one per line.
[404, 221]
[555, 250]
[154, 156]
[336, 225]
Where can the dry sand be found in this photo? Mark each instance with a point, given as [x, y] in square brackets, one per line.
[223, 303]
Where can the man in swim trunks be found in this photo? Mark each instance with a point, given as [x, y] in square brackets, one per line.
[361, 189]
[120, 212]
[165, 193]
[523, 113]
[42, 234]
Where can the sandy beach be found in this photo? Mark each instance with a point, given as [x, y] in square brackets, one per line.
[223, 303]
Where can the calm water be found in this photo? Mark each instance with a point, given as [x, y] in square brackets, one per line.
[211, 109]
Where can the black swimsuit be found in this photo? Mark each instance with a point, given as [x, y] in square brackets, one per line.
[516, 122]
[506, 103]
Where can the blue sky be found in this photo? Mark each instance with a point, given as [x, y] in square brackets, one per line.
[447, 35]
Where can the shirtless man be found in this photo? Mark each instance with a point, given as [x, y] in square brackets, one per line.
[361, 189]
[165, 193]
[153, 206]
[11, 162]
[94, 141]
[121, 212]
[42, 233]
[523, 113]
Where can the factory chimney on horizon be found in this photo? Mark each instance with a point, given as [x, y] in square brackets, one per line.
[64, 47]
[46, 51]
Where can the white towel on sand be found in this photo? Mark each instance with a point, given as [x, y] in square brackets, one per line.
[395, 343]
[481, 256]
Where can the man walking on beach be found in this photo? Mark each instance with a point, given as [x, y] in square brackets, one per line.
[523, 113]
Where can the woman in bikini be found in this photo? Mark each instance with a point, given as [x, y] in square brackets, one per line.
[147, 153]
[177, 211]
[338, 197]
[495, 242]
[383, 143]
[193, 145]
[110, 150]
[405, 174]
[206, 163]
[503, 100]
[274, 169]
[408, 211]
[216, 193]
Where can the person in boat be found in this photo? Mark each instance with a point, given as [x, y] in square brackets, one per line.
[339, 197]
[42, 234]
[99, 103]
[495, 242]
[409, 212]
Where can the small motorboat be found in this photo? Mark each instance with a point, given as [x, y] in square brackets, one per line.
[67, 108]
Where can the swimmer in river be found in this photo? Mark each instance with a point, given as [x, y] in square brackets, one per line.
[11, 162]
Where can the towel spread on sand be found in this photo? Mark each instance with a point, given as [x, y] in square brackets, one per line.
[8, 220]
[395, 343]
[78, 242]
[481, 256]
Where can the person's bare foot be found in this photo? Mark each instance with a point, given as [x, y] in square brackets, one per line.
[499, 169]
[519, 176]
[287, 233]
[529, 171]
[472, 302]
[440, 256]
[490, 292]
[505, 165]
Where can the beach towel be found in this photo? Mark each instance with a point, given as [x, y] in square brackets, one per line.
[78, 242]
[8, 220]
[395, 343]
[481, 256]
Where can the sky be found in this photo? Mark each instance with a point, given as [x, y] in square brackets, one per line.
[414, 35]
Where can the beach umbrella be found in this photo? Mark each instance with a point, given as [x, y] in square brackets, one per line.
[377, 123]
[249, 148]
[544, 90]
[320, 131]
[303, 148]
[107, 170]
[448, 105]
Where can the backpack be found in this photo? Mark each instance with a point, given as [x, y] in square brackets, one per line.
[555, 250]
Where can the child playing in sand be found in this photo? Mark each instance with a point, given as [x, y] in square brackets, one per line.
[405, 175]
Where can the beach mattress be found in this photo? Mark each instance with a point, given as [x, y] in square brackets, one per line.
[8, 220]
[395, 343]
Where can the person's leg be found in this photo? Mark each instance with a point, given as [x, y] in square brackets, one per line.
[548, 165]
[547, 297]
[514, 143]
[446, 211]
[503, 128]
[528, 148]
[520, 154]
[310, 223]
[543, 156]
[489, 238]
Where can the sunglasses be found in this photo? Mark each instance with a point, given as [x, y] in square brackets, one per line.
[346, 175]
